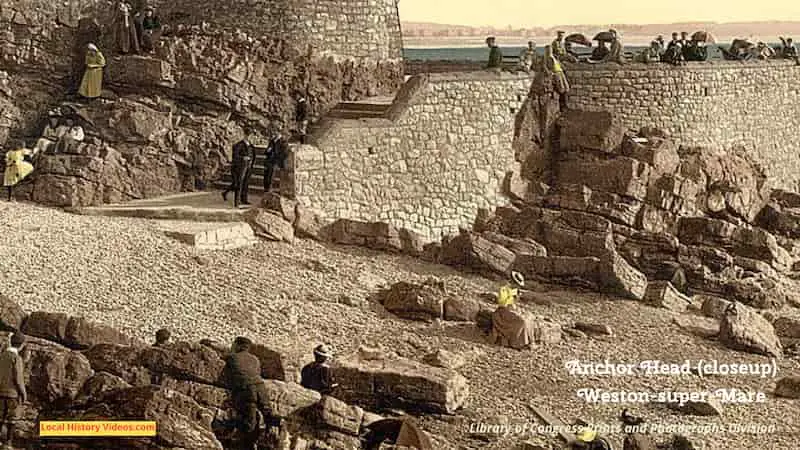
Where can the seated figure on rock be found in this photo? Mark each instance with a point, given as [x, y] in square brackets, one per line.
[50, 134]
[509, 326]
[70, 138]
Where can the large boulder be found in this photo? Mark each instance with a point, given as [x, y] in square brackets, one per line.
[663, 294]
[375, 235]
[614, 207]
[744, 329]
[788, 387]
[517, 246]
[185, 361]
[288, 399]
[11, 314]
[746, 241]
[661, 154]
[54, 374]
[337, 415]
[269, 225]
[623, 176]
[100, 384]
[46, 325]
[204, 394]
[416, 301]
[563, 233]
[120, 360]
[590, 131]
[398, 382]
[82, 334]
[182, 422]
[473, 251]
[611, 274]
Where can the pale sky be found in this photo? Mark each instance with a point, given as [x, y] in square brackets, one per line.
[546, 13]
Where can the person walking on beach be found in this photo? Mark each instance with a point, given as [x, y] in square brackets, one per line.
[495, 55]
[12, 386]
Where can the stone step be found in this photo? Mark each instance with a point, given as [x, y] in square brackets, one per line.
[213, 236]
[358, 106]
[354, 114]
[163, 213]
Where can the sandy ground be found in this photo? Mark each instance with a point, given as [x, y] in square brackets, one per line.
[126, 273]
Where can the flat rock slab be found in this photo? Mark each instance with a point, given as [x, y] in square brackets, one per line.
[664, 295]
[163, 213]
[211, 236]
[399, 382]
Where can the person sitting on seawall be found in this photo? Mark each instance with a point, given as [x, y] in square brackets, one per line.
[70, 139]
[763, 51]
[649, 55]
[696, 51]
[317, 375]
[588, 439]
[789, 51]
[495, 55]
[600, 52]
[674, 52]
[19, 164]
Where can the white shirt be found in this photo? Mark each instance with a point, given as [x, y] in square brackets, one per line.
[76, 134]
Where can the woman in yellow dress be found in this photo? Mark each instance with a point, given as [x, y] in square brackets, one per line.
[92, 84]
[18, 166]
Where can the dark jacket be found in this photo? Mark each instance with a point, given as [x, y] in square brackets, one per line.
[495, 58]
[151, 23]
[242, 370]
[317, 376]
[241, 151]
[277, 152]
[12, 375]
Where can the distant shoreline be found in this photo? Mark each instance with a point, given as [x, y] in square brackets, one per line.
[518, 41]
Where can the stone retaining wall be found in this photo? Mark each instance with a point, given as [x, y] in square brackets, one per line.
[442, 153]
[717, 104]
[360, 29]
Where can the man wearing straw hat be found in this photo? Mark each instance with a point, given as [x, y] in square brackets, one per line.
[317, 375]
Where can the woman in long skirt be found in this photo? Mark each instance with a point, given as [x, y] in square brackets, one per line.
[18, 166]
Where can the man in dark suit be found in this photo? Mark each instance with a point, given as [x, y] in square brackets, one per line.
[244, 157]
[276, 154]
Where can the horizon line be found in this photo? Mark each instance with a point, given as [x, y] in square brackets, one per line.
[604, 24]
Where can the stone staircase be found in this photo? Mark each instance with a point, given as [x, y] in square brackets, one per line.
[359, 110]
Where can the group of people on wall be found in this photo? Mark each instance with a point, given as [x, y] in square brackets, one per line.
[679, 50]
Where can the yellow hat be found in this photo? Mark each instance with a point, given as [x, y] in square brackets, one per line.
[586, 435]
[506, 296]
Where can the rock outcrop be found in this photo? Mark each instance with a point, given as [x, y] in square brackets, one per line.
[178, 386]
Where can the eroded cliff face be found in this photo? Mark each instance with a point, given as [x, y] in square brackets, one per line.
[167, 119]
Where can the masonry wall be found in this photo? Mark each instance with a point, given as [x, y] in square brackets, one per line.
[359, 29]
[716, 104]
[442, 153]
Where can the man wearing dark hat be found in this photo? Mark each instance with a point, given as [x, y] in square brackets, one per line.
[12, 386]
[317, 375]
[242, 374]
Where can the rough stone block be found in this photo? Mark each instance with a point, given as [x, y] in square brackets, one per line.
[184, 361]
[461, 309]
[528, 246]
[663, 294]
[45, 325]
[473, 251]
[661, 154]
[338, 415]
[11, 314]
[416, 301]
[82, 334]
[375, 235]
[742, 328]
[590, 130]
[788, 387]
[270, 226]
[399, 382]
[622, 175]
[54, 373]
[287, 399]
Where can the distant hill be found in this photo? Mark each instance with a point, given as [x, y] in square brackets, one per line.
[757, 30]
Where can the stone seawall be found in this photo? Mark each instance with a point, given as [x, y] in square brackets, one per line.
[359, 29]
[715, 104]
[442, 153]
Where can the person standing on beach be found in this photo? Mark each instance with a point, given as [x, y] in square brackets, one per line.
[495, 55]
